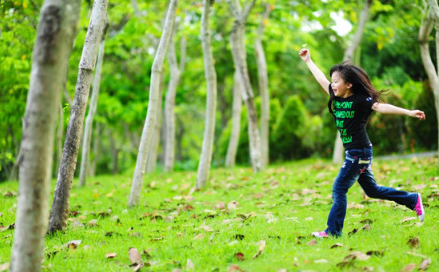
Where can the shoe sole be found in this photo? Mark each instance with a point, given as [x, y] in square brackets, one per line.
[315, 234]
[421, 217]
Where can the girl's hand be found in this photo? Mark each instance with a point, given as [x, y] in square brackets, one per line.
[417, 114]
[304, 54]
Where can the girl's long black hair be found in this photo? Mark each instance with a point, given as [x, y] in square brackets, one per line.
[358, 78]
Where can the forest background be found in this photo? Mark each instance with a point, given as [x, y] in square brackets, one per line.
[300, 124]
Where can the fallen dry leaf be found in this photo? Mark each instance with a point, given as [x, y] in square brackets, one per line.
[199, 236]
[9, 194]
[137, 266]
[419, 187]
[234, 267]
[375, 253]
[146, 253]
[4, 267]
[366, 221]
[231, 206]
[10, 227]
[189, 265]
[110, 255]
[262, 245]
[72, 244]
[336, 245]
[365, 227]
[414, 242]
[406, 219]
[93, 223]
[425, 264]
[134, 255]
[239, 256]
[355, 206]
[356, 255]
[77, 224]
[408, 268]
[220, 206]
[416, 254]
[313, 242]
[238, 236]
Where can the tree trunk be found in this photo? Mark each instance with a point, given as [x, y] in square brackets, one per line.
[337, 156]
[236, 121]
[239, 58]
[210, 74]
[96, 145]
[148, 129]
[170, 104]
[59, 137]
[60, 205]
[114, 152]
[180, 134]
[14, 171]
[136, 8]
[424, 34]
[155, 141]
[56, 30]
[91, 113]
[263, 89]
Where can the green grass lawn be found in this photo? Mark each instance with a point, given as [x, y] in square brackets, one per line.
[227, 223]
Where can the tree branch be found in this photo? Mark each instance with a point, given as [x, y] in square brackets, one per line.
[247, 9]
[235, 8]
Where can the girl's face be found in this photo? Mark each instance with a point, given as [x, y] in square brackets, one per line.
[339, 86]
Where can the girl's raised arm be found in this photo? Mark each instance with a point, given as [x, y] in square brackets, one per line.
[390, 109]
[317, 73]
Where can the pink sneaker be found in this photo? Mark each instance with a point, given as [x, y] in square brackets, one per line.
[320, 234]
[419, 209]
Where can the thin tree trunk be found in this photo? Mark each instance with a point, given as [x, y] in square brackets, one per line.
[170, 105]
[91, 113]
[424, 34]
[263, 88]
[56, 30]
[337, 156]
[114, 152]
[136, 8]
[96, 145]
[210, 74]
[15, 168]
[239, 58]
[148, 129]
[155, 141]
[236, 121]
[180, 134]
[59, 137]
[60, 205]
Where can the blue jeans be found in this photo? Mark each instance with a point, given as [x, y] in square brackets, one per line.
[357, 167]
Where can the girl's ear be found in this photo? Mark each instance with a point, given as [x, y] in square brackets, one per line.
[349, 85]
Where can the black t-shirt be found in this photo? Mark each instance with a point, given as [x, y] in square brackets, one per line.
[351, 115]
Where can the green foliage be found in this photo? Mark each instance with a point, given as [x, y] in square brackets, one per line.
[389, 55]
[424, 135]
[386, 132]
[289, 139]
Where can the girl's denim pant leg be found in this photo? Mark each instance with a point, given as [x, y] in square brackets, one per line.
[357, 167]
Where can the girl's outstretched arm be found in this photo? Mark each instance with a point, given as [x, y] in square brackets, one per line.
[390, 109]
[317, 73]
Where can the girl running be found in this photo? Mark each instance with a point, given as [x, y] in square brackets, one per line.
[352, 97]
